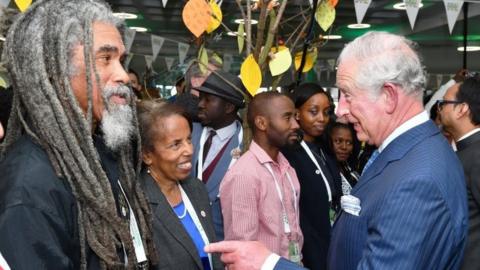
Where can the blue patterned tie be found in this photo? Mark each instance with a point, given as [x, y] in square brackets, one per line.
[370, 160]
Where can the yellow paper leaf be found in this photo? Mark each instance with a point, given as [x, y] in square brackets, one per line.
[325, 15]
[3, 83]
[196, 16]
[251, 75]
[310, 60]
[23, 4]
[240, 37]
[203, 59]
[281, 60]
[216, 17]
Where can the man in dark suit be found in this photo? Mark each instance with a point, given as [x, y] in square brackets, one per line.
[218, 139]
[408, 210]
[460, 116]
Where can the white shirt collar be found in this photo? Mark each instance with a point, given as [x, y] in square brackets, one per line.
[226, 132]
[469, 134]
[409, 124]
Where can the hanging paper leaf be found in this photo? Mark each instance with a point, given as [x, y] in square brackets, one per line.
[333, 3]
[3, 83]
[240, 37]
[325, 15]
[310, 60]
[23, 4]
[196, 16]
[251, 75]
[281, 60]
[216, 18]
[217, 58]
[203, 60]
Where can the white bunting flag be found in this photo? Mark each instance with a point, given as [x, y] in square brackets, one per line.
[164, 2]
[157, 43]
[169, 62]
[361, 7]
[318, 71]
[149, 61]
[128, 59]
[331, 64]
[412, 7]
[129, 38]
[4, 3]
[439, 80]
[453, 8]
[182, 51]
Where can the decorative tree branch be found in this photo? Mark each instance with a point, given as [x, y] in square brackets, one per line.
[249, 26]
[261, 28]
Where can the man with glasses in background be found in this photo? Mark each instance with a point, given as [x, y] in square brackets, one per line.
[460, 116]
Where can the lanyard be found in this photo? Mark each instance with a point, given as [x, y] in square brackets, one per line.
[286, 224]
[135, 232]
[203, 138]
[196, 221]
[314, 160]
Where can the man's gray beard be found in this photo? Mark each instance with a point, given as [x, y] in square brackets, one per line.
[117, 122]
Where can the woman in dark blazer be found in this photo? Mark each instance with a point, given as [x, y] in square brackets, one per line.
[182, 221]
[320, 185]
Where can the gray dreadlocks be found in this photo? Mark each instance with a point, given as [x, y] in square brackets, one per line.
[38, 53]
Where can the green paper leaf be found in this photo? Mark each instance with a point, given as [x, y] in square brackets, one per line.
[240, 37]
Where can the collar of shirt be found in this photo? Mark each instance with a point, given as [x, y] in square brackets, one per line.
[470, 133]
[263, 157]
[225, 133]
[409, 124]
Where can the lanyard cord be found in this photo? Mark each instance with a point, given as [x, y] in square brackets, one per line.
[314, 160]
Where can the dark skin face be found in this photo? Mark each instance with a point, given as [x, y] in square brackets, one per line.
[214, 111]
[313, 116]
[342, 140]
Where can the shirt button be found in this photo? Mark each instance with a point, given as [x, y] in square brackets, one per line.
[317, 171]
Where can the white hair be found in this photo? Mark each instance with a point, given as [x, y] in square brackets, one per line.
[383, 57]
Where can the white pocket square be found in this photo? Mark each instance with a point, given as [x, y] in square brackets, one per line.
[351, 204]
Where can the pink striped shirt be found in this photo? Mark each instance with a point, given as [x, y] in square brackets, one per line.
[251, 205]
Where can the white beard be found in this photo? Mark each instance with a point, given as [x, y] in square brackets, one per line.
[117, 124]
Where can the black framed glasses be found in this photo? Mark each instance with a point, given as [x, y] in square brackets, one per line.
[440, 103]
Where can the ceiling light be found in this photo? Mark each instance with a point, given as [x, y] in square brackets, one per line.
[125, 15]
[234, 34]
[331, 37]
[138, 28]
[401, 6]
[240, 21]
[358, 26]
[469, 48]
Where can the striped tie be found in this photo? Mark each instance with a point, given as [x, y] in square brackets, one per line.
[370, 161]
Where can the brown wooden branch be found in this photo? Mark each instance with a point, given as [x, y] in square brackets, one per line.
[261, 28]
[249, 27]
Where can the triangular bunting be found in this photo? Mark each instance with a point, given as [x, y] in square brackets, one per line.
[182, 51]
[361, 7]
[169, 62]
[164, 2]
[149, 61]
[453, 8]
[412, 7]
[157, 43]
[129, 36]
[4, 3]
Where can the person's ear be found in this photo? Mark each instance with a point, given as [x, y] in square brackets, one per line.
[390, 96]
[229, 108]
[464, 110]
[261, 122]
[147, 158]
[297, 115]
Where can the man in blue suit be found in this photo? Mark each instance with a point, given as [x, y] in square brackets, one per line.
[218, 140]
[408, 210]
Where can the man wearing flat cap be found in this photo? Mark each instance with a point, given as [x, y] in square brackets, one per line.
[218, 139]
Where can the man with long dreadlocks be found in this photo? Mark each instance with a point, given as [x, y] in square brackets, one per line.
[68, 195]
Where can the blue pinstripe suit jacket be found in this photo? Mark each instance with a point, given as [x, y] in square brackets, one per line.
[413, 209]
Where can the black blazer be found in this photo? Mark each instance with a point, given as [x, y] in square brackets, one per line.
[314, 205]
[469, 154]
[175, 247]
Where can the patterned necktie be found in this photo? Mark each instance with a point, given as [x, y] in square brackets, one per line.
[208, 144]
[370, 161]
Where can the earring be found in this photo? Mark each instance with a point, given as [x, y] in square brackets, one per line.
[148, 170]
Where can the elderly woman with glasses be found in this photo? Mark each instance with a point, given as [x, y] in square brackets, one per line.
[182, 221]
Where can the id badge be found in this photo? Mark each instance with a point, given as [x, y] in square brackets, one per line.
[332, 215]
[294, 252]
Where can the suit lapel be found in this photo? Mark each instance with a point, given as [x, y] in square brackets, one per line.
[465, 143]
[163, 212]
[396, 150]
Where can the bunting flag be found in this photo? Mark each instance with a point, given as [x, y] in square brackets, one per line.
[331, 64]
[182, 51]
[164, 2]
[4, 3]
[439, 80]
[149, 61]
[453, 8]
[129, 36]
[157, 43]
[318, 71]
[169, 62]
[23, 4]
[412, 7]
[128, 60]
[361, 7]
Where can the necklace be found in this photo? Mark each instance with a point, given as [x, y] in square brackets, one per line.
[184, 212]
